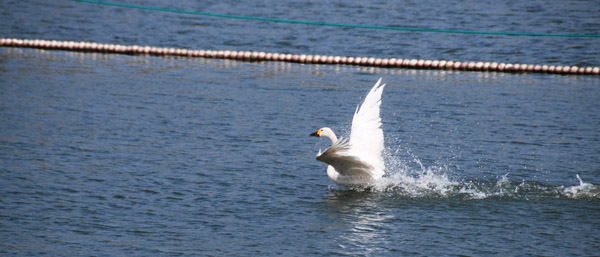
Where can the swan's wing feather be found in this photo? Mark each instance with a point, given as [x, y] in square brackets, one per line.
[338, 156]
[366, 135]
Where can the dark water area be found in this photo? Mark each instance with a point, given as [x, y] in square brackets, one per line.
[115, 155]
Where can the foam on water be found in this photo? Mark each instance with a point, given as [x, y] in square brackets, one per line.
[412, 179]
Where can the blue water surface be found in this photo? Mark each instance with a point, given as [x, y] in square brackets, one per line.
[112, 155]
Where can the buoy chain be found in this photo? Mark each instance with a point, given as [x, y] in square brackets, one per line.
[298, 58]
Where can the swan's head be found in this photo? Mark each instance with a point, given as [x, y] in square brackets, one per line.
[325, 132]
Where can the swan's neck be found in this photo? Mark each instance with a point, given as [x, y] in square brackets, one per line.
[328, 133]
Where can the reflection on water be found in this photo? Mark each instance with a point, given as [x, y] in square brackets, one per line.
[364, 220]
[276, 66]
[372, 221]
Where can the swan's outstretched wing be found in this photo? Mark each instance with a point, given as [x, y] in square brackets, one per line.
[338, 157]
[366, 135]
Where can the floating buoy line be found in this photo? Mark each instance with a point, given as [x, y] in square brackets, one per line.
[298, 58]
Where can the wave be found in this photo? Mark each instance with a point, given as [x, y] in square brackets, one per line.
[434, 182]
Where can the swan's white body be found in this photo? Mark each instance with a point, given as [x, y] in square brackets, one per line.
[358, 160]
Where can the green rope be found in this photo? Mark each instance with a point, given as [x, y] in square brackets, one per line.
[330, 24]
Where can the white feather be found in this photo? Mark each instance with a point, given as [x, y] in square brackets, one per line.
[366, 135]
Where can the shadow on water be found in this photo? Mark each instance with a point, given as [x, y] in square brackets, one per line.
[347, 197]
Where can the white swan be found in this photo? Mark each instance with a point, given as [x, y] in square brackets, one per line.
[358, 160]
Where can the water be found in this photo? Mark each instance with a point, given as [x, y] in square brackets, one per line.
[137, 155]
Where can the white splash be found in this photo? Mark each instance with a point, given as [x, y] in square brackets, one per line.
[583, 190]
[413, 179]
[423, 181]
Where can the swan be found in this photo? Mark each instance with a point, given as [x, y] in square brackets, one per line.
[357, 161]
